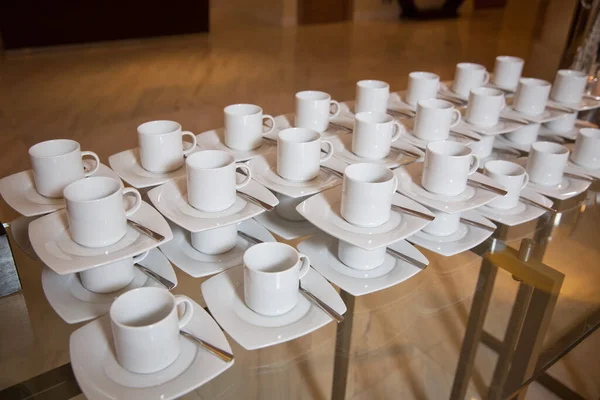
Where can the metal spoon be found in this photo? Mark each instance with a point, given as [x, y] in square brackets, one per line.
[163, 281]
[222, 354]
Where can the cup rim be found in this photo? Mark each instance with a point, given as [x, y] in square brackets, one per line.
[35, 148]
[437, 147]
[312, 95]
[572, 73]
[132, 292]
[290, 134]
[500, 166]
[435, 104]
[146, 129]
[534, 82]
[592, 133]
[425, 75]
[539, 147]
[374, 117]
[194, 161]
[352, 173]
[510, 58]
[73, 189]
[236, 109]
[487, 91]
[470, 65]
[373, 84]
[259, 246]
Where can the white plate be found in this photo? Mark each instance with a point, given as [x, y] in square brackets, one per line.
[224, 296]
[101, 377]
[396, 102]
[526, 147]
[446, 91]
[288, 230]
[584, 105]
[214, 140]
[171, 200]
[74, 303]
[578, 169]
[566, 189]
[50, 238]
[18, 190]
[321, 249]
[285, 121]
[520, 214]
[264, 170]
[196, 264]
[323, 210]
[571, 134]
[419, 143]
[409, 184]
[547, 115]
[19, 227]
[508, 91]
[503, 126]
[465, 238]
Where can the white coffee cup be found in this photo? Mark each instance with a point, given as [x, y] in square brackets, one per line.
[546, 163]
[313, 110]
[444, 224]
[447, 167]
[485, 105]
[272, 273]
[57, 163]
[563, 124]
[421, 86]
[286, 208]
[569, 86]
[587, 148]
[299, 154]
[434, 119]
[469, 76]
[374, 133]
[510, 176]
[484, 147]
[95, 210]
[358, 258]
[526, 134]
[507, 71]
[367, 192]
[531, 96]
[215, 241]
[161, 146]
[371, 95]
[244, 126]
[211, 180]
[145, 327]
[111, 277]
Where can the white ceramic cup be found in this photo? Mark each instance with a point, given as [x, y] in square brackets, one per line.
[526, 134]
[587, 148]
[444, 224]
[562, 124]
[145, 327]
[161, 146]
[286, 208]
[469, 76]
[57, 163]
[507, 71]
[211, 180]
[215, 241]
[485, 105]
[531, 96]
[95, 210]
[546, 163]
[358, 258]
[421, 86]
[313, 110]
[484, 147]
[112, 277]
[244, 126]
[371, 95]
[569, 86]
[272, 273]
[374, 133]
[447, 167]
[367, 192]
[434, 119]
[512, 177]
[299, 154]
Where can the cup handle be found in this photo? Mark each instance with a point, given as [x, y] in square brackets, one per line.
[395, 184]
[246, 180]
[337, 109]
[272, 127]
[486, 78]
[456, 119]
[329, 153]
[95, 157]
[503, 104]
[140, 257]
[194, 142]
[399, 129]
[474, 164]
[525, 181]
[305, 266]
[138, 200]
[187, 314]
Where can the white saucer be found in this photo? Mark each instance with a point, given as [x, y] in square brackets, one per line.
[74, 303]
[19, 227]
[101, 377]
[524, 147]
[566, 189]
[323, 210]
[578, 169]
[396, 102]
[288, 230]
[171, 200]
[520, 214]
[214, 140]
[264, 170]
[464, 239]
[500, 151]
[584, 105]
[446, 91]
[572, 133]
[409, 184]
[322, 251]
[51, 240]
[196, 264]
[224, 296]
[18, 190]
[421, 144]
[503, 126]
[508, 91]
[547, 115]
[285, 121]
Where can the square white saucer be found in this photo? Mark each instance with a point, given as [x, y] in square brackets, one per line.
[288, 230]
[74, 303]
[100, 376]
[396, 102]
[196, 264]
[465, 238]
[568, 188]
[547, 115]
[18, 190]
[215, 140]
[321, 249]
[421, 144]
[584, 105]
[503, 126]
[19, 227]
[570, 134]
[51, 240]
[264, 170]
[224, 296]
[445, 90]
[409, 184]
[342, 146]
[171, 200]
[520, 214]
[323, 211]
[285, 121]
